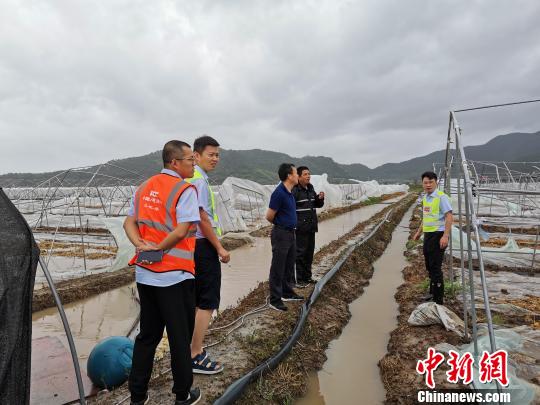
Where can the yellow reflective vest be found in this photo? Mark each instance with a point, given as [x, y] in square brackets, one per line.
[198, 175]
[431, 213]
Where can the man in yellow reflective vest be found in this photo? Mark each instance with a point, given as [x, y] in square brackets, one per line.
[436, 226]
[208, 254]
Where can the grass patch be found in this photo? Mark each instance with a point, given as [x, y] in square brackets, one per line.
[372, 200]
[424, 285]
[497, 319]
[450, 289]
[411, 244]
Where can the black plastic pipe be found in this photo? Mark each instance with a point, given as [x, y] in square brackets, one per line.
[236, 389]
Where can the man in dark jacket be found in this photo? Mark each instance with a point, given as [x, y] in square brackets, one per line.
[306, 202]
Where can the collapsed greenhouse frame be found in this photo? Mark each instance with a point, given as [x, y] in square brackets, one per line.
[515, 188]
[86, 192]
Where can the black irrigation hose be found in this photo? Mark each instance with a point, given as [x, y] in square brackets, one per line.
[236, 389]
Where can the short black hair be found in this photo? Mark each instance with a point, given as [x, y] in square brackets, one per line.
[284, 170]
[300, 169]
[202, 142]
[429, 175]
[171, 149]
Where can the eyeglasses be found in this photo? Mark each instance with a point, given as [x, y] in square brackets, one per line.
[190, 159]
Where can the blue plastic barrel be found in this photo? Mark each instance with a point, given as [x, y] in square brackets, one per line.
[109, 363]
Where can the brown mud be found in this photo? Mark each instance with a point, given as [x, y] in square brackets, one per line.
[334, 212]
[505, 229]
[262, 335]
[71, 230]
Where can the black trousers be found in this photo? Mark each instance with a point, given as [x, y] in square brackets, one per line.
[282, 268]
[305, 246]
[172, 307]
[434, 256]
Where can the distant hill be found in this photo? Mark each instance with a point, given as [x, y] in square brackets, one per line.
[261, 165]
[515, 147]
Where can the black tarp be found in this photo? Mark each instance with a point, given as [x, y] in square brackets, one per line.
[19, 256]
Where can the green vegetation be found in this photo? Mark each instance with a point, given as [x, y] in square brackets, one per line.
[424, 285]
[372, 200]
[415, 187]
[497, 319]
[261, 165]
[450, 289]
[411, 244]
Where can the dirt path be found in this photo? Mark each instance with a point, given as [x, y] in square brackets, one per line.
[262, 335]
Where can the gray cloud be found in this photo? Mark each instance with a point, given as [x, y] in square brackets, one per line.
[368, 82]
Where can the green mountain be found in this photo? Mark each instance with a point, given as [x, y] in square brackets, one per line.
[261, 165]
[515, 147]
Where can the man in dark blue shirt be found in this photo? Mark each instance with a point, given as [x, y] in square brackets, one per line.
[282, 213]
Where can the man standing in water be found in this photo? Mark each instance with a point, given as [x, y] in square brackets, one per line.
[282, 213]
[436, 226]
[208, 253]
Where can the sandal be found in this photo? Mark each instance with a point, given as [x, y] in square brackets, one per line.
[201, 364]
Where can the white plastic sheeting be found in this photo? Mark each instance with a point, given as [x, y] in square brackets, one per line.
[521, 341]
[241, 205]
[125, 249]
[509, 255]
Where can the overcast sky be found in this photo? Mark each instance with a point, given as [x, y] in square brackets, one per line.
[360, 81]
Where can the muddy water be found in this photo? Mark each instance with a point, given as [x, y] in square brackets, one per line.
[90, 320]
[113, 312]
[351, 374]
[250, 264]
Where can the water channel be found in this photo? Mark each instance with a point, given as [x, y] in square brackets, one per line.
[351, 375]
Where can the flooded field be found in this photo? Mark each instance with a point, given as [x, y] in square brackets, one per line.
[113, 312]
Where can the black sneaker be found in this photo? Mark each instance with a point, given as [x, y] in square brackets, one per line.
[143, 402]
[194, 396]
[279, 306]
[292, 297]
[311, 281]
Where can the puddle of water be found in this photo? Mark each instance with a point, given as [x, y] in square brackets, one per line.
[108, 314]
[351, 375]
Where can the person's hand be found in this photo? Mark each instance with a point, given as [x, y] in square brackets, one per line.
[416, 236]
[224, 255]
[443, 243]
[144, 246]
[321, 195]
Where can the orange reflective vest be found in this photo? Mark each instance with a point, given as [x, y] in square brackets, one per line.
[155, 212]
